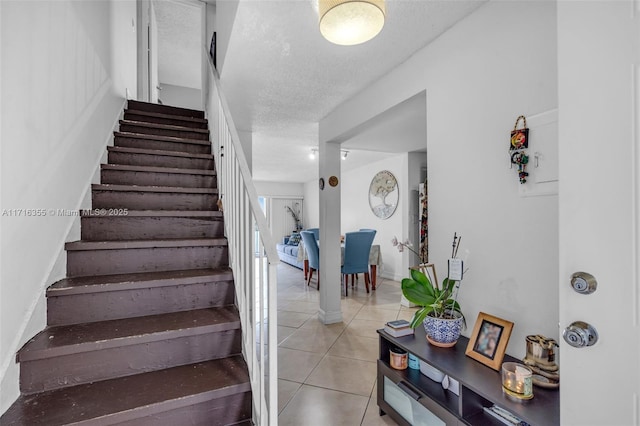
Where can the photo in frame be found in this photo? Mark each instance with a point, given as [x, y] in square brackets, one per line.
[488, 341]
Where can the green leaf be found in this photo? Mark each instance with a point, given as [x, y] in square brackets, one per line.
[416, 292]
[448, 285]
[420, 277]
[419, 316]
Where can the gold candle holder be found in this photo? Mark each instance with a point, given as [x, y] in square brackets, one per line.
[517, 381]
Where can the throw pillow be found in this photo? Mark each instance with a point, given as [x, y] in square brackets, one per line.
[294, 239]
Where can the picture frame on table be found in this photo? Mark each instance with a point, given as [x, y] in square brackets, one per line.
[488, 341]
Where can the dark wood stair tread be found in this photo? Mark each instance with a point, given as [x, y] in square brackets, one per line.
[150, 169]
[132, 397]
[144, 244]
[164, 126]
[175, 139]
[167, 116]
[214, 214]
[165, 109]
[165, 153]
[104, 283]
[72, 339]
[140, 188]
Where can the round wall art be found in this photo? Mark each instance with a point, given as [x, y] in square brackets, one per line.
[383, 194]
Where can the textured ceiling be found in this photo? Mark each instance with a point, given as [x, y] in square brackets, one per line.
[281, 78]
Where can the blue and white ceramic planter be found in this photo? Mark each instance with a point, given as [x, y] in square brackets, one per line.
[443, 332]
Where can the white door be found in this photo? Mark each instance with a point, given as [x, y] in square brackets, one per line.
[148, 53]
[154, 84]
[599, 201]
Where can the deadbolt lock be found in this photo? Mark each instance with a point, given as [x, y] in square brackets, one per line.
[583, 283]
[580, 334]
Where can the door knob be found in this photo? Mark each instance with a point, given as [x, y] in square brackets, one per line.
[579, 334]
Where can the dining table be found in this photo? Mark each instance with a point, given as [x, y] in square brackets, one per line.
[375, 259]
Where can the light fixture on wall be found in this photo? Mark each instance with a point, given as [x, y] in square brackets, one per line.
[314, 151]
[351, 22]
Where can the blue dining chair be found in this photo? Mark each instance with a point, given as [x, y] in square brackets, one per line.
[316, 232]
[370, 230]
[357, 246]
[313, 254]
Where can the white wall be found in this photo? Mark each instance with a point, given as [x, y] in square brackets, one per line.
[63, 89]
[224, 17]
[496, 64]
[278, 195]
[356, 213]
[279, 189]
[180, 96]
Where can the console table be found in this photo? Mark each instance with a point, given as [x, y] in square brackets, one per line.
[479, 386]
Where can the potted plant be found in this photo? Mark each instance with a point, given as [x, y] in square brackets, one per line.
[439, 311]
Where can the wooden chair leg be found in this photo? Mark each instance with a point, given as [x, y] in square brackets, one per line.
[318, 279]
[353, 277]
[374, 271]
[309, 277]
[366, 281]
[346, 284]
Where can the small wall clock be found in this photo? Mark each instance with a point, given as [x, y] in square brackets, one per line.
[383, 194]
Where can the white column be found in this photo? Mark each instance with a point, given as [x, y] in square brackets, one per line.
[330, 276]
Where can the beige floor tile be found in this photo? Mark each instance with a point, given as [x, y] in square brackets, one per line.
[292, 319]
[296, 365]
[284, 332]
[356, 347]
[372, 416]
[365, 328]
[406, 313]
[385, 302]
[374, 313]
[312, 406]
[350, 310]
[315, 324]
[299, 306]
[286, 390]
[344, 374]
[312, 340]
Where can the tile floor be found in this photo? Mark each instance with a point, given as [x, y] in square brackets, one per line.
[327, 373]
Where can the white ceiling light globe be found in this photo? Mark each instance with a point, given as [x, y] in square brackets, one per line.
[349, 22]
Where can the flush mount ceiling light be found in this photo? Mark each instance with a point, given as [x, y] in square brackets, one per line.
[351, 22]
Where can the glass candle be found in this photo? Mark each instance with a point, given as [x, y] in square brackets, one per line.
[517, 381]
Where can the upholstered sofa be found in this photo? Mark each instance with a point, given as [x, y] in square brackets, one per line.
[288, 253]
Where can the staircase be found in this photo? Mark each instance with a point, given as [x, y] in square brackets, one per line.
[144, 330]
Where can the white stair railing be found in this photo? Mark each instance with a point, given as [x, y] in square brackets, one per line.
[254, 268]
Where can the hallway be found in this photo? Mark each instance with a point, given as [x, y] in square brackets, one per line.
[327, 373]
